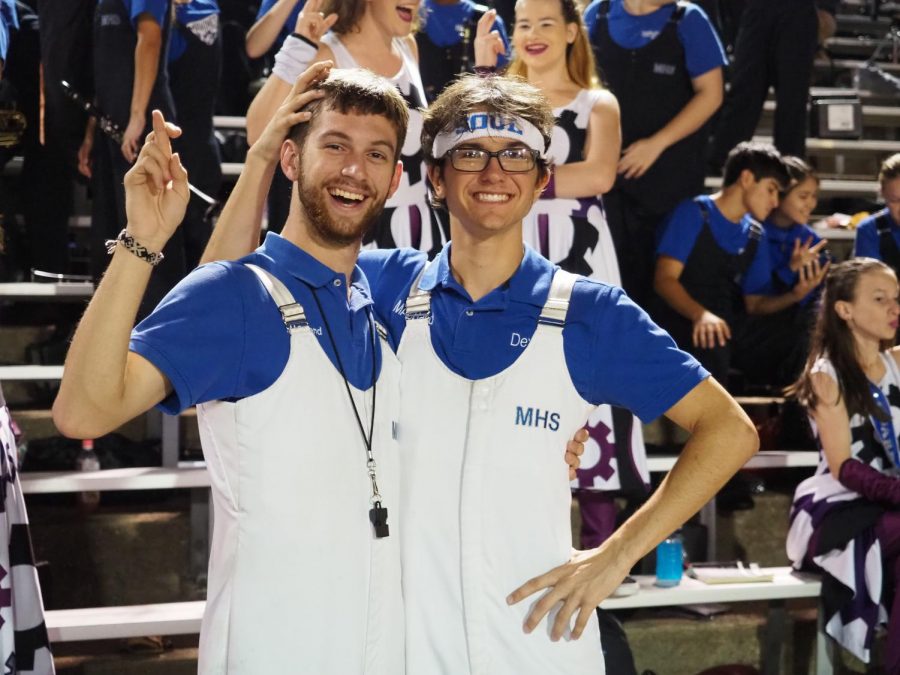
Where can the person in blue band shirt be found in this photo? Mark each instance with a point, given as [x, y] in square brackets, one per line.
[878, 236]
[446, 41]
[130, 80]
[195, 64]
[663, 61]
[706, 256]
[287, 459]
[297, 390]
[771, 349]
[275, 20]
[502, 354]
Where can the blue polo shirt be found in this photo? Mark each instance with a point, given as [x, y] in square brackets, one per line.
[8, 20]
[219, 336]
[288, 26]
[703, 50]
[442, 24]
[614, 352]
[155, 8]
[867, 244]
[194, 12]
[779, 244]
[682, 226]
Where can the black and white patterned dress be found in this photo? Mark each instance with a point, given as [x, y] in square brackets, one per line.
[24, 646]
[573, 234]
[832, 529]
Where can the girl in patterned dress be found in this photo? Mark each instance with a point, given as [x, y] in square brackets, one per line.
[845, 520]
[568, 226]
[24, 644]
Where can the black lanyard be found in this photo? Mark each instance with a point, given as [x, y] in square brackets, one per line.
[378, 514]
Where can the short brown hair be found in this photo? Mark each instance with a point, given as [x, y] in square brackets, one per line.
[890, 168]
[498, 95]
[360, 92]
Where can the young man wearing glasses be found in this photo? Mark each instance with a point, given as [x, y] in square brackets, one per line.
[502, 354]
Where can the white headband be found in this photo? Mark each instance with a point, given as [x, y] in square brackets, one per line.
[488, 125]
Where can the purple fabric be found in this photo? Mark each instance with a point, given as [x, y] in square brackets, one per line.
[888, 533]
[415, 226]
[544, 235]
[550, 191]
[598, 517]
[870, 483]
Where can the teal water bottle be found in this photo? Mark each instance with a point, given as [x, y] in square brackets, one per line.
[670, 561]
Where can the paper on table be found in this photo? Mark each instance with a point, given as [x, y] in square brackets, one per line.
[728, 573]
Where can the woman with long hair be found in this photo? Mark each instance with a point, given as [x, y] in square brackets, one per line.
[567, 225]
[845, 520]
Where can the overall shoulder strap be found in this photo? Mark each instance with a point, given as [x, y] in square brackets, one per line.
[557, 306]
[418, 302]
[704, 210]
[603, 9]
[680, 8]
[753, 238]
[292, 313]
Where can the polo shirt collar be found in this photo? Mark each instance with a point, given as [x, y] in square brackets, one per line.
[529, 284]
[304, 267]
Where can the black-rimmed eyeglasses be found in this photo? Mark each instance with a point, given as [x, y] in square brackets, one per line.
[512, 160]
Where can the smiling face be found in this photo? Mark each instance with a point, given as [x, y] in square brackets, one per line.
[799, 203]
[396, 17]
[489, 201]
[345, 171]
[873, 313]
[760, 196]
[541, 34]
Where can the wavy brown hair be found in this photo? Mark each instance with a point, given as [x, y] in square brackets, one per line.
[579, 55]
[832, 338]
[349, 12]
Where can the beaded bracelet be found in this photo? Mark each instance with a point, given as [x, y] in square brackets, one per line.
[132, 246]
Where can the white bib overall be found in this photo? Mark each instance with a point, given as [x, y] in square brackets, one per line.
[486, 503]
[298, 583]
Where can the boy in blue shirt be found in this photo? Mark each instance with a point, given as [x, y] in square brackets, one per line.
[878, 236]
[663, 61]
[195, 65]
[704, 255]
[472, 330]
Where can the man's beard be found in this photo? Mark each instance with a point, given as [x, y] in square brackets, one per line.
[331, 231]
